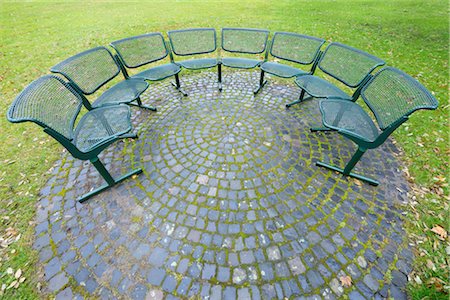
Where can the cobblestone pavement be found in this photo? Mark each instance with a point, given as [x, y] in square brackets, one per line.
[230, 205]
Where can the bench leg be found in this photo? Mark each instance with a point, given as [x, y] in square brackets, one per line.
[178, 86]
[315, 129]
[262, 83]
[347, 171]
[139, 104]
[219, 76]
[108, 178]
[300, 99]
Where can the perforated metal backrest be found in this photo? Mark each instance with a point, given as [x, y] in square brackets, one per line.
[49, 102]
[89, 70]
[193, 41]
[295, 47]
[140, 50]
[392, 94]
[347, 64]
[244, 40]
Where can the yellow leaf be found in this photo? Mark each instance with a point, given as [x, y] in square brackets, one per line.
[430, 265]
[346, 281]
[441, 232]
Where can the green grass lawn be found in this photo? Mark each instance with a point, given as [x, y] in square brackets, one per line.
[411, 35]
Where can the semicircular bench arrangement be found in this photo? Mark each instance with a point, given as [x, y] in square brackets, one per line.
[53, 103]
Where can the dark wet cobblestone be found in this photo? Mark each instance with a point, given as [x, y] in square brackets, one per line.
[230, 205]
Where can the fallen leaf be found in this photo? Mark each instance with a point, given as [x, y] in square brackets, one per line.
[18, 274]
[437, 283]
[12, 284]
[9, 271]
[430, 265]
[441, 232]
[22, 279]
[346, 281]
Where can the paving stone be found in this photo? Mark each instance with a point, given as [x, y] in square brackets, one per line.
[399, 279]
[155, 294]
[397, 293]
[229, 293]
[58, 282]
[336, 287]
[239, 276]
[169, 284]
[371, 282]
[314, 278]
[208, 271]
[65, 294]
[223, 274]
[273, 253]
[156, 276]
[141, 250]
[139, 292]
[52, 267]
[158, 256]
[362, 262]
[296, 266]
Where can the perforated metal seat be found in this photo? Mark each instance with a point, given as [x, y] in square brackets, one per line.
[158, 73]
[240, 63]
[345, 115]
[320, 88]
[54, 105]
[291, 47]
[121, 92]
[88, 71]
[197, 64]
[391, 96]
[348, 65]
[141, 50]
[281, 70]
[99, 125]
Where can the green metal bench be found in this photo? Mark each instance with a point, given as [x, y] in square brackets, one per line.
[55, 105]
[292, 47]
[195, 41]
[391, 96]
[243, 41]
[348, 65]
[88, 71]
[137, 51]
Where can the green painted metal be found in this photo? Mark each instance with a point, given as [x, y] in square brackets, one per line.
[292, 47]
[346, 64]
[88, 71]
[55, 105]
[195, 41]
[244, 41]
[141, 50]
[240, 62]
[392, 96]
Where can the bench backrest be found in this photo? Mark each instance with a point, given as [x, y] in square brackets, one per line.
[348, 65]
[392, 94]
[295, 47]
[140, 50]
[193, 41]
[244, 40]
[89, 70]
[49, 102]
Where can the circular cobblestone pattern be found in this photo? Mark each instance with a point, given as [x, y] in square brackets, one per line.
[230, 205]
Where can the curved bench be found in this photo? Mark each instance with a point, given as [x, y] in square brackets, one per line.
[54, 104]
